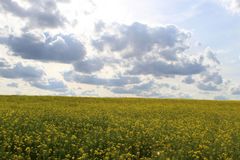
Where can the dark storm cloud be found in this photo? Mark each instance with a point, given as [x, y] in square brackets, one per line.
[41, 13]
[57, 48]
[51, 85]
[20, 71]
[94, 80]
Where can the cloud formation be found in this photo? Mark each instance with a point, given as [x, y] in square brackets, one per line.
[214, 77]
[94, 80]
[163, 68]
[188, 80]
[210, 55]
[157, 51]
[136, 89]
[210, 81]
[32, 75]
[143, 89]
[88, 66]
[235, 90]
[14, 85]
[24, 72]
[43, 13]
[51, 85]
[232, 5]
[3, 63]
[207, 87]
[138, 39]
[45, 47]
[220, 98]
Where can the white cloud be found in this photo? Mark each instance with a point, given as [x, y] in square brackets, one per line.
[20, 71]
[94, 80]
[50, 84]
[235, 90]
[116, 54]
[45, 47]
[232, 5]
[89, 65]
[14, 85]
[188, 80]
[42, 13]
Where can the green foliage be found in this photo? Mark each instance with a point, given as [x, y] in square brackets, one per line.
[108, 128]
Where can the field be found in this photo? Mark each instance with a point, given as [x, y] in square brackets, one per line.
[108, 128]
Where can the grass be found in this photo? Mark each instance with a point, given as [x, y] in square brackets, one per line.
[121, 128]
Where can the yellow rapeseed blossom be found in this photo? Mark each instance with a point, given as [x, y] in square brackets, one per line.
[100, 128]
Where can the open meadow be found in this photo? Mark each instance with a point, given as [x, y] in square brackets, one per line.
[121, 128]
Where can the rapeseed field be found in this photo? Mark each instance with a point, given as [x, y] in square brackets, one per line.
[118, 128]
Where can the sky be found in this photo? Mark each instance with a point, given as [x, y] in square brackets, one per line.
[125, 48]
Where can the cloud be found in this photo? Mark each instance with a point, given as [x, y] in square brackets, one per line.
[163, 68]
[207, 87]
[2, 39]
[32, 75]
[120, 90]
[235, 90]
[157, 51]
[43, 13]
[171, 54]
[211, 56]
[231, 5]
[136, 89]
[214, 77]
[188, 80]
[210, 81]
[14, 85]
[20, 71]
[220, 98]
[57, 48]
[51, 85]
[89, 66]
[94, 80]
[130, 53]
[99, 26]
[143, 88]
[90, 93]
[138, 39]
[3, 63]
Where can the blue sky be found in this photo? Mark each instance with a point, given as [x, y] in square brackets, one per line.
[154, 48]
